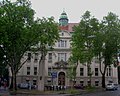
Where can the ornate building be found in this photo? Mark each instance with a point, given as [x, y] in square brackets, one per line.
[56, 63]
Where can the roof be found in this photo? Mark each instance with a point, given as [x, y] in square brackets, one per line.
[69, 27]
[63, 15]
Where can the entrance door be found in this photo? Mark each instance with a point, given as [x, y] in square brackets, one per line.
[61, 78]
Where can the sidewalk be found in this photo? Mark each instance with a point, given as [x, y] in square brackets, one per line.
[4, 92]
[46, 93]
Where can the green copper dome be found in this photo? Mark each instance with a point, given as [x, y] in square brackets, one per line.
[63, 15]
[63, 21]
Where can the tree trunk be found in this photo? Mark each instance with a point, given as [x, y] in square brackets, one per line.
[103, 80]
[15, 82]
[118, 68]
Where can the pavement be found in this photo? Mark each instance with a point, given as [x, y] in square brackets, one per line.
[5, 92]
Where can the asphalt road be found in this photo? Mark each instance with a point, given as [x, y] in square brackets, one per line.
[101, 93]
[104, 93]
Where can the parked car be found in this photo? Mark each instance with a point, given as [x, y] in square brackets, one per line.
[116, 86]
[26, 86]
[79, 86]
[23, 86]
[111, 86]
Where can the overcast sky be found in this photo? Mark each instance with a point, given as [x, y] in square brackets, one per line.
[75, 8]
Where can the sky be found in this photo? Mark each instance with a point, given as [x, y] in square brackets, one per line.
[75, 8]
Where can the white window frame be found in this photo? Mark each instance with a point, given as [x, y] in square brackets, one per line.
[62, 56]
[62, 43]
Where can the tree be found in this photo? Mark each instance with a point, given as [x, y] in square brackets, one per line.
[82, 40]
[3, 65]
[17, 33]
[71, 71]
[107, 43]
[48, 34]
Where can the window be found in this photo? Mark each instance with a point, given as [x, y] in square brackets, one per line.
[62, 43]
[109, 71]
[35, 70]
[81, 71]
[49, 57]
[96, 83]
[49, 82]
[62, 56]
[49, 71]
[36, 57]
[27, 81]
[34, 82]
[62, 34]
[28, 70]
[29, 56]
[96, 71]
[82, 83]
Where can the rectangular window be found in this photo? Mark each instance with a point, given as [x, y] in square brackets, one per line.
[107, 72]
[29, 57]
[49, 71]
[28, 70]
[62, 43]
[62, 56]
[96, 71]
[49, 82]
[34, 82]
[36, 57]
[110, 71]
[49, 57]
[89, 83]
[35, 70]
[96, 83]
[82, 83]
[81, 71]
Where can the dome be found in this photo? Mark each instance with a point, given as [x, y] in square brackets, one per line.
[63, 21]
[63, 15]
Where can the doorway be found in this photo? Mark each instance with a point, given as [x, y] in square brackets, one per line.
[61, 78]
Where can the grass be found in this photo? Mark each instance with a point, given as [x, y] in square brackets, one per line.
[90, 88]
[67, 91]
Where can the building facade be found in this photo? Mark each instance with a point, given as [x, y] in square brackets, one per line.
[56, 63]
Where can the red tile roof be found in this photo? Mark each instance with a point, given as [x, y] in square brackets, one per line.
[69, 27]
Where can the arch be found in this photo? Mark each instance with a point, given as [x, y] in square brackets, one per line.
[61, 78]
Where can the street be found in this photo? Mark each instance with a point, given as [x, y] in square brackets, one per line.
[104, 93]
[101, 93]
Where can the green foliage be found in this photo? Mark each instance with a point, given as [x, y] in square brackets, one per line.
[111, 31]
[82, 39]
[106, 42]
[48, 33]
[20, 32]
[17, 30]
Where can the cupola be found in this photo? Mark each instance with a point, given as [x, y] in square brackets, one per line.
[63, 21]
